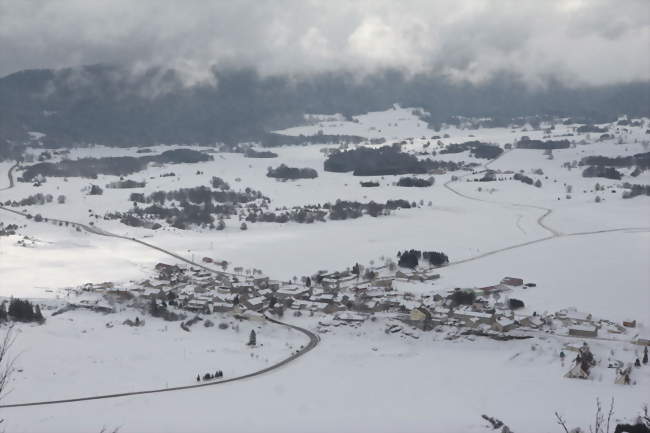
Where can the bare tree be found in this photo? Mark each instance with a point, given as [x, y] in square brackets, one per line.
[6, 362]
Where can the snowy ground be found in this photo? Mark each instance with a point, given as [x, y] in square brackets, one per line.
[87, 357]
[344, 384]
[361, 380]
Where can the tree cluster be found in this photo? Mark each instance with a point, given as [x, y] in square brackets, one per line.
[411, 258]
[285, 172]
[415, 182]
[386, 160]
[21, 310]
[527, 143]
[114, 165]
[476, 148]
[600, 171]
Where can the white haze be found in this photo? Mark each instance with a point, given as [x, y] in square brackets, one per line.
[577, 41]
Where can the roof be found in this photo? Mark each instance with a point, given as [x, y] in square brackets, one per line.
[583, 328]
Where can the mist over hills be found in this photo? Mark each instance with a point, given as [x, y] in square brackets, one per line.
[112, 105]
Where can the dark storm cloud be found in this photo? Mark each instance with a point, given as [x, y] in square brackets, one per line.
[582, 41]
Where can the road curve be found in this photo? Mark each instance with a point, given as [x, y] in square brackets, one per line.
[313, 342]
[540, 220]
[313, 338]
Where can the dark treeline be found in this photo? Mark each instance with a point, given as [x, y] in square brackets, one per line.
[640, 160]
[634, 190]
[111, 105]
[339, 210]
[415, 182]
[187, 206]
[600, 171]
[285, 172]
[591, 128]
[21, 310]
[116, 165]
[411, 258]
[526, 143]
[274, 140]
[252, 153]
[523, 178]
[32, 200]
[386, 160]
[126, 184]
[476, 149]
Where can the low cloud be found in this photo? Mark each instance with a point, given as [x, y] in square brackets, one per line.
[578, 41]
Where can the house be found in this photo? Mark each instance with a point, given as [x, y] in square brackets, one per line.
[419, 314]
[503, 324]
[489, 290]
[197, 305]
[588, 331]
[512, 281]
[242, 288]
[643, 340]
[221, 307]
[350, 317]
[532, 322]
[629, 323]
[577, 372]
[473, 317]
[386, 284]
[254, 304]
[573, 316]
[292, 292]
[623, 376]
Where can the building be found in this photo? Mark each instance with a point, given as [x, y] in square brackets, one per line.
[587, 331]
[512, 281]
[473, 318]
[503, 324]
[643, 340]
[254, 304]
[629, 323]
[350, 317]
[386, 284]
[573, 316]
[577, 373]
[292, 292]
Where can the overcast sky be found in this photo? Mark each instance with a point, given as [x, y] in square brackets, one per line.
[580, 41]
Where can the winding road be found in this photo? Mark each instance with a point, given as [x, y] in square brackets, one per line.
[313, 342]
[313, 338]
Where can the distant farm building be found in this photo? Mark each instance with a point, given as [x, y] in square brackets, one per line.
[512, 281]
[587, 331]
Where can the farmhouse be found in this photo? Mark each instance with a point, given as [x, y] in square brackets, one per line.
[292, 292]
[254, 304]
[473, 317]
[577, 373]
[504, 325]
[386, 284]
[350, 317]
[588, 331]
[629, 323]
[512, 281]
[643, 340]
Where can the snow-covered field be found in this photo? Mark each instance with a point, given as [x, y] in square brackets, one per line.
[356, 379]
[360, 380]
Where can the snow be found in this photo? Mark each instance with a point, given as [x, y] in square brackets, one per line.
[358, 376]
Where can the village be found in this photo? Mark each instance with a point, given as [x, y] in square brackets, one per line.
[379, 294]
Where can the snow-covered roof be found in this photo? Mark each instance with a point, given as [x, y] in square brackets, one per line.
[584, 328]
